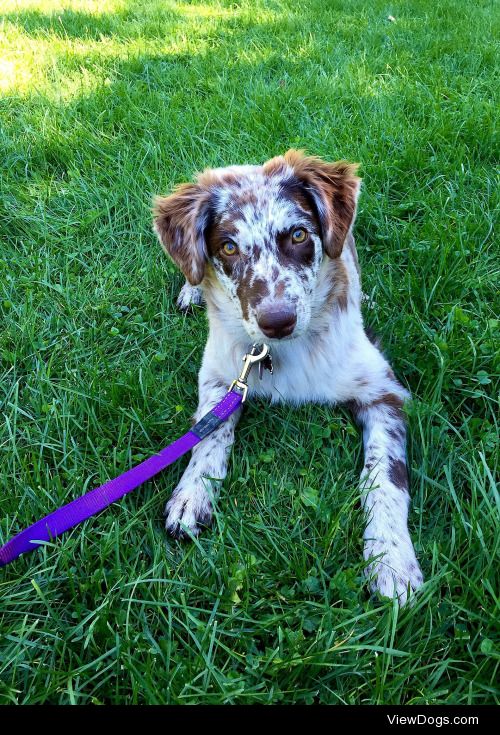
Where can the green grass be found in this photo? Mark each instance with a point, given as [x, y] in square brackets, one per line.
[102, 107]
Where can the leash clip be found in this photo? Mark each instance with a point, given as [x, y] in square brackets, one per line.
[257, 354]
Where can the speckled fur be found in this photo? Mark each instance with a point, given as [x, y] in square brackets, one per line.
[327, 359]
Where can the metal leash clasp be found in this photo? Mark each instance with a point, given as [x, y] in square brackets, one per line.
[257, 354]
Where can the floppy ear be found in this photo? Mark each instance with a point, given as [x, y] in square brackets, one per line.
[334, 188]
[180, 221]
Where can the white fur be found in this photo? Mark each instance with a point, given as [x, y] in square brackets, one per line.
[189, 295]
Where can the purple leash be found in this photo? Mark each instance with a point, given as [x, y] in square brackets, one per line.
[94, 501]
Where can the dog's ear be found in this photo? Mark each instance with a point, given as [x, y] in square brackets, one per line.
[180, 221]
[334, 188]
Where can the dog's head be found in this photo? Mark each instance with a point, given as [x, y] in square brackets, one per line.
[260, 233]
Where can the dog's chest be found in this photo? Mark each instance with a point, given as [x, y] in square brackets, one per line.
[303, 372]
[327, 365]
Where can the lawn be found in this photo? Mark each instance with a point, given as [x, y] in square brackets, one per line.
[103, 105]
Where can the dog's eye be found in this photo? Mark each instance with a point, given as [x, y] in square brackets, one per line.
[229, 248]
[299, 235]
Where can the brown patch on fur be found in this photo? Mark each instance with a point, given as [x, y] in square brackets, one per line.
[304, 203]
[334, 187]
[294, 255]
[398, 432]
[352, 247]
[251, 295]
[211, 285]
[394, 405]
[245, 197]
[211, 178]
[389, 399]
[179, 222]
[362, 382]
[257, 252]
[218, 233]
[276, 166]
[370, 462]
[339, 285]
[280, 289]
[212, 383]
[294, 191]
[398, 474]
[342, 302]
[210, 278]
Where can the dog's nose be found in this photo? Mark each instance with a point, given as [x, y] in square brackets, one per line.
[277, 322]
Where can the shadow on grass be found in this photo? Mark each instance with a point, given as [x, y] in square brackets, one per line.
[76, 24]
[65, 24]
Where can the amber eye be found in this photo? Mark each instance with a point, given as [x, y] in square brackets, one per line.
[229, 248]
[299, 235]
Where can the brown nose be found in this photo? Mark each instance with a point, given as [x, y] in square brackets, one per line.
[277, 321]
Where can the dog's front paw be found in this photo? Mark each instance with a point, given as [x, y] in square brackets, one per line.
[188, 511]
[189, 295]
[395, 569]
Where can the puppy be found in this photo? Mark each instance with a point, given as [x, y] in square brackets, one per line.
[270, 250]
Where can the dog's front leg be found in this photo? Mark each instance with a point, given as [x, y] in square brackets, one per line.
[385, 496]
[190, 507]
[189, 295]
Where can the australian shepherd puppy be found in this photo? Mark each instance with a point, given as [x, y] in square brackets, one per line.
[270, 249]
